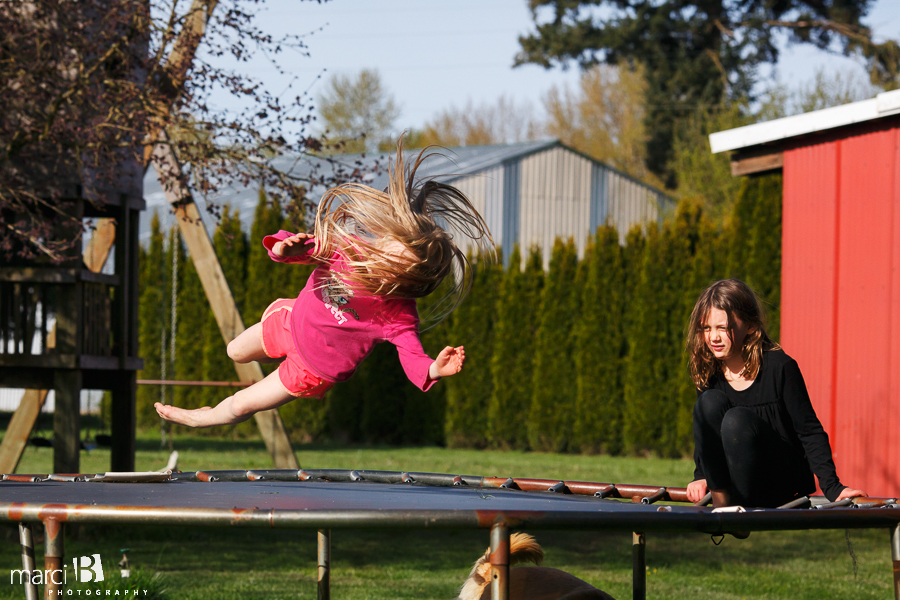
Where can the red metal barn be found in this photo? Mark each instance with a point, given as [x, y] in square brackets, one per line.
[840, 298]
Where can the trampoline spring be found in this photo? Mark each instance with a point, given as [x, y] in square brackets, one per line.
[510, 484]
[801, 502]
[407, 478]
[705, 500]
[877, 504]
[25, 478]
[355, 476]
[559, 488]
[605, 492]
[55, 477]
[303, 475]
[657, 495]
[845, 503]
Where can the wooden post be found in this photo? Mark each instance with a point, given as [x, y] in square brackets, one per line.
[124, 421]
[67, 421]
[67, 384]
[219, 294]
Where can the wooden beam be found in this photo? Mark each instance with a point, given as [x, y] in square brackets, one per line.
[19, 430]
[212, 278]
[756, 163]
[179, 61]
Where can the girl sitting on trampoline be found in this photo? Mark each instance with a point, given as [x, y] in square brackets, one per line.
[375, 253]
[757, 440]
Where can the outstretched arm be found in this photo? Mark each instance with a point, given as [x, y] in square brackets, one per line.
[449, 362]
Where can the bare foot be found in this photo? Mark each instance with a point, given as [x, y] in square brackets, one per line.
[182, 416]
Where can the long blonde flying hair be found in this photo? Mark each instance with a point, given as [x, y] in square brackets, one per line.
[419, 215]
[737, 300]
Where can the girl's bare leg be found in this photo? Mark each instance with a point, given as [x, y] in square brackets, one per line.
[262, 395]
[247, 347]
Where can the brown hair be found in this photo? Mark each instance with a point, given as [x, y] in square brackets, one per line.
[737, 300]
[418, 217]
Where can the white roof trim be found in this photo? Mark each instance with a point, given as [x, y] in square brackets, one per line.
[882, 105]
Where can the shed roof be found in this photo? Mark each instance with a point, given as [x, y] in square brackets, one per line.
[882, 105]
[446, 163]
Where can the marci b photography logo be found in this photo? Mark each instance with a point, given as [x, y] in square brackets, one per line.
[88, 569]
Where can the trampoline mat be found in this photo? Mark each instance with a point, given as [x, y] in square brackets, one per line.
[311, 495]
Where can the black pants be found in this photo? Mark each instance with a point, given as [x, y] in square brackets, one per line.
[739, 451]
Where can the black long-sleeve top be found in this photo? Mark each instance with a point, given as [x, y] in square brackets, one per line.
[779, 396]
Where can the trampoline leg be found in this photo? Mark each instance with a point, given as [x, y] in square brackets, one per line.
[26, 539]
[639, 574]
[499, 562]
[53, 558]
[324, 574]
[895, 557]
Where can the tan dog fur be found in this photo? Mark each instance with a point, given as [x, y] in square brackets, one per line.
[528, 583]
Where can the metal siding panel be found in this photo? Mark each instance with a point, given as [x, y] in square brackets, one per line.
[562, 194]
[510, 209]
[864, 311]
[475, 189]
[808, 275]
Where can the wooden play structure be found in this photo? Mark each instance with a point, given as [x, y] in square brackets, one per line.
[71, 327]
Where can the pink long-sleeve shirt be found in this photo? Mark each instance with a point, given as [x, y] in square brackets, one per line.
[335, 328]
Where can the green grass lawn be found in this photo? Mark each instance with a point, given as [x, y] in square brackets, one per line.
[210, 563]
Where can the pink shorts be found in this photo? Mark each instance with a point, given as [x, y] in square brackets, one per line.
[296, 378]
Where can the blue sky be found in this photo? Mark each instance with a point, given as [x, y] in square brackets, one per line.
[433, 54]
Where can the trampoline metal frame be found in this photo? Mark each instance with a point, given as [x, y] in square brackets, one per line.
[866, 514]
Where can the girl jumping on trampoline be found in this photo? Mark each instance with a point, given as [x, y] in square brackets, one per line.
[757, 440]
[375, 253]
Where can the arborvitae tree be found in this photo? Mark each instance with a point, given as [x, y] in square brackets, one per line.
[512, 360]
[192, 316]
[384, 395]
[553, 399]
[755, 249]
[764, 262]
[262, 272]
[151, 309]
[647, 361]
[599, 339]
[739, 226]
[423, 414]
[681, 237]
[469, 392]
[230, 245]
[708, 265]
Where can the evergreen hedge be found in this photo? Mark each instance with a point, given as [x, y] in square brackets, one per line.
[585, 357]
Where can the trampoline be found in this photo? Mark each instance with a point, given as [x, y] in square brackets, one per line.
[328, 499]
